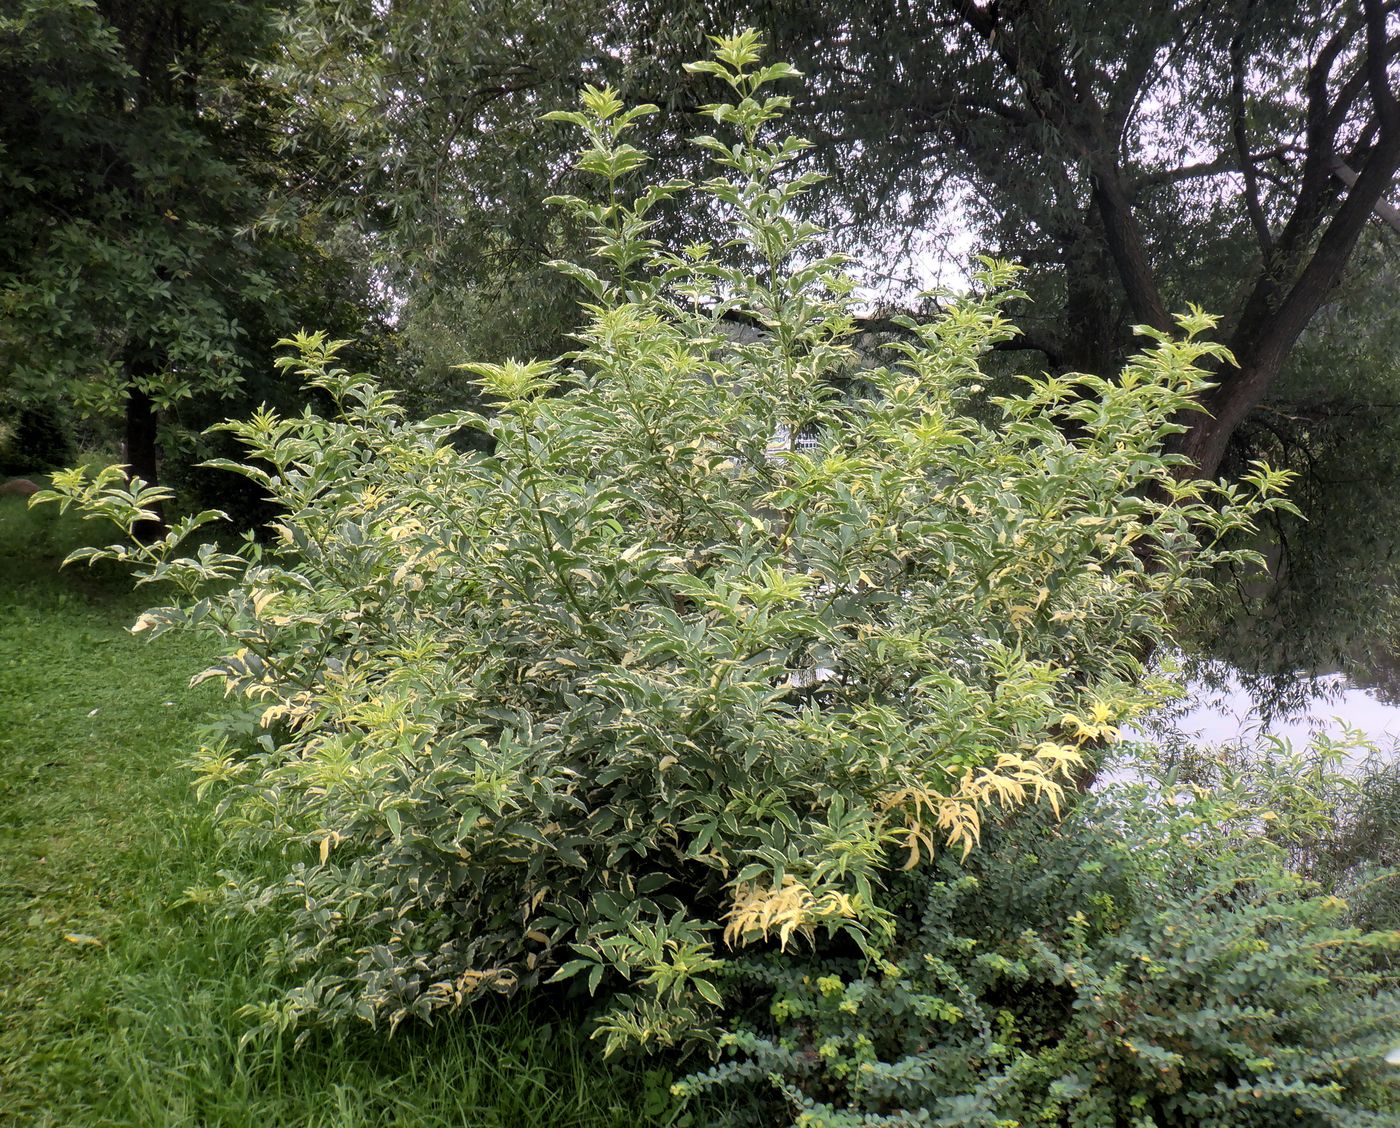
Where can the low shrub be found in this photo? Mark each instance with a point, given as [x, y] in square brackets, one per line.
[36, 438]
[697, 651]
[1149, 962]
[1334, 806]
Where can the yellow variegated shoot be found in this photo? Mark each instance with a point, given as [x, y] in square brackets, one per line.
[725, 629]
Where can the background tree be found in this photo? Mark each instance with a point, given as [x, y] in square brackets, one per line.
[1334, 416]
[438, 104]
[142, 144]
[1138, 156]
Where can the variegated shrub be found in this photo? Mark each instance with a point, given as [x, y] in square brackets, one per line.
[703, 646]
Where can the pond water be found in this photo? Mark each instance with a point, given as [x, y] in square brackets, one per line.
[1219, 707]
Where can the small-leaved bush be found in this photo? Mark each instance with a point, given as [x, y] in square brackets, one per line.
[1150, 962]
[1333, 805]
[697, 651]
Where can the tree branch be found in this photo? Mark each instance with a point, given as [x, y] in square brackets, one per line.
[1217, 167]
[1269, 328]
[1378, 53]
[1383, 207]
[1255, 209]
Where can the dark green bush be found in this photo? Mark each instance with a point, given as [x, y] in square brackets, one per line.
[1150, 962]
[36, 438]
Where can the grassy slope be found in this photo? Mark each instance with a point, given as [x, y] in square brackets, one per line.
[118, 1004]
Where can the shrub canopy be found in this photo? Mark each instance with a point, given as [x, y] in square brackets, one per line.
[721, 630]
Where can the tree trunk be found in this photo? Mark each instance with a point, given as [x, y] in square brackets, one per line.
[140, 444]
[1090, 330]
[1125, 244]
[1273, 320]
[140, 450]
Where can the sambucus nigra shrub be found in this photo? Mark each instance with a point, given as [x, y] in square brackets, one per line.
[646, 680]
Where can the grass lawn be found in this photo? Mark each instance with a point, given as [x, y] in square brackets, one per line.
[118, 1003]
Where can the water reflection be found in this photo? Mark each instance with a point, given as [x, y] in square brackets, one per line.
[1222, 706]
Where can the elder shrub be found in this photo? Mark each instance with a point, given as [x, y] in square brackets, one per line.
[700, 650]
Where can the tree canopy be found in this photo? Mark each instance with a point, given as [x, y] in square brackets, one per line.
[142, 145]
[1138, 156]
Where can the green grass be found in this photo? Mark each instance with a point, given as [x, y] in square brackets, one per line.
[118, 1004]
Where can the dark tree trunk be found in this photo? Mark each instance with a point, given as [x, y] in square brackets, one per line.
[1274, 317]
[140, 450]
[1125, 244]
[140, 443]
[1090, 331]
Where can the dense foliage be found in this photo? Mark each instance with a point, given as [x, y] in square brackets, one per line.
[700, 651]
[1135, 156]
[1360, 855]
[185, 182]
[1152, 961]
[1334, 808]
[142, 148]
[439, 105]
